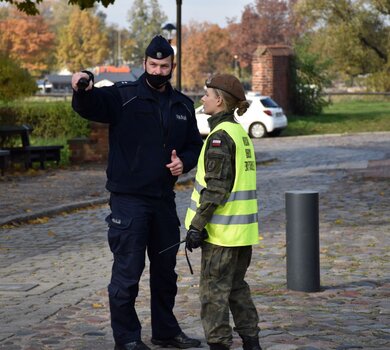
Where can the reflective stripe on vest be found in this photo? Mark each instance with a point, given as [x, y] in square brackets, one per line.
[235, 222]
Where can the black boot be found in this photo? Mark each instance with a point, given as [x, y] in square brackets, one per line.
[181, 341]
[250, 343]
[135, 345]
[218, 346]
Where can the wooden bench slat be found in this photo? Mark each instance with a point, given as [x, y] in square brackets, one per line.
[27, 153]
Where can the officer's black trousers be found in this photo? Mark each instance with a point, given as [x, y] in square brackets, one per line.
[138, 224]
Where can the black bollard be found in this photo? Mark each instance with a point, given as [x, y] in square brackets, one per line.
[302, 238]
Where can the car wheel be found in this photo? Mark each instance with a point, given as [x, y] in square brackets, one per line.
[257, 131]
[275, 132]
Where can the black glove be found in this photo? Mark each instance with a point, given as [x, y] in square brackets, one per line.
[83, 83]
[195, 238]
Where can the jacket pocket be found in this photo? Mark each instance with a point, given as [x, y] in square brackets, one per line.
[215, 165]
[127, 235]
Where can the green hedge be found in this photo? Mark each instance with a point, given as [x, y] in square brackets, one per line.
[52, 119]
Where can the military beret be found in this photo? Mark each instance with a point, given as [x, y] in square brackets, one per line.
[228, 83]
[159, 48]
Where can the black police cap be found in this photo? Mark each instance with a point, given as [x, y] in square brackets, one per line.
[159, 48]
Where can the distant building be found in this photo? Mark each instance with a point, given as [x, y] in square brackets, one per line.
[111, 69]
[44, 86]
[104, 76]
[60, 83]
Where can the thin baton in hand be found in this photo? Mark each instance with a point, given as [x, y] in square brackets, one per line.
[172, 246]
[188, 260]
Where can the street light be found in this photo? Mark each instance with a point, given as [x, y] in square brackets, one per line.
[178, 39]
[236, 66]
[119, 63]
[169, 28]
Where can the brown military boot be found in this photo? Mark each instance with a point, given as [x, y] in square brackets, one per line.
[250, 343]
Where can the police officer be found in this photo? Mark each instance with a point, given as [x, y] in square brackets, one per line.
[223, 211]
[153, 138]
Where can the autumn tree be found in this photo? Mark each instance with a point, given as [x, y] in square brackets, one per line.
[354, 34]
[83, 42]
[56, 13]
[4, 12]
[146, 19]
[382, 6]
[15, 82]
[206, 50]
[32, 7]
[265, 22]
[28, 40]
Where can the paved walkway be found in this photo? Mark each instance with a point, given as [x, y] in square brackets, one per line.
[55, 268]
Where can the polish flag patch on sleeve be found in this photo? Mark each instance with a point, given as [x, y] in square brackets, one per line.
[216, 143]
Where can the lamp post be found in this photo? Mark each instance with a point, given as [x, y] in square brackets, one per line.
[178, 39]
[169, 28]
[236, 66]
[119, 49]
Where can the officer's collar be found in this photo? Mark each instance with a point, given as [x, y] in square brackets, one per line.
[219, 118]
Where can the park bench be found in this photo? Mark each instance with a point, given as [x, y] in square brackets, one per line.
[26, 154]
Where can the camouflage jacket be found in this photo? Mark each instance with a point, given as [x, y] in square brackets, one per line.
[220, 170]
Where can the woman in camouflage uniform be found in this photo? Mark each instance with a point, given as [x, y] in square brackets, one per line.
[222, 217]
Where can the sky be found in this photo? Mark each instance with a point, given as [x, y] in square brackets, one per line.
[213, 11]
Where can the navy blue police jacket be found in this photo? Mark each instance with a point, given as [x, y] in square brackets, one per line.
[139, 147]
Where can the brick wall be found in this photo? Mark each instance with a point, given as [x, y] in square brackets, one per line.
[90, 149]
[271, 73]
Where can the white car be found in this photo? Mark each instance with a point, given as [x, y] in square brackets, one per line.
[264, 117]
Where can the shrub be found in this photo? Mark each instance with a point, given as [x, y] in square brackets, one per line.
[379, 81]
[309, 78]
[15, 82]
[49, 119]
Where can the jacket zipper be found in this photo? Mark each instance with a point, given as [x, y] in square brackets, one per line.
[169, 122]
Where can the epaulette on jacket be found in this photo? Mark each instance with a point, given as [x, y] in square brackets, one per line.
[121, 84]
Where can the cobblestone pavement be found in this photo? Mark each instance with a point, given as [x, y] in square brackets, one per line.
[55, 269]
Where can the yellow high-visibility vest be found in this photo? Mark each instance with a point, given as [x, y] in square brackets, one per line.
[235, 222]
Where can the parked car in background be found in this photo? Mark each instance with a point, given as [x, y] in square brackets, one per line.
[264, 117]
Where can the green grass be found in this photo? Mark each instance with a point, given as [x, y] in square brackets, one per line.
[65, 152]
[343, 117]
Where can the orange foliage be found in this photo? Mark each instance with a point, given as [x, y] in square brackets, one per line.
[206, 50]
[28, 40]
[266, 22]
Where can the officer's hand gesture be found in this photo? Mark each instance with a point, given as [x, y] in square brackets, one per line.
[176, 165]
[81, 81]
[195, 238]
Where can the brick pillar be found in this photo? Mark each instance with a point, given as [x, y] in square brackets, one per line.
[90, 149]
[271, 66]
[99, 136]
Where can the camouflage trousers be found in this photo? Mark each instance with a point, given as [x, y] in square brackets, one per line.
[223, 288]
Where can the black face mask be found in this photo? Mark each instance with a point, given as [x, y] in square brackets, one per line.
[158, 81]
